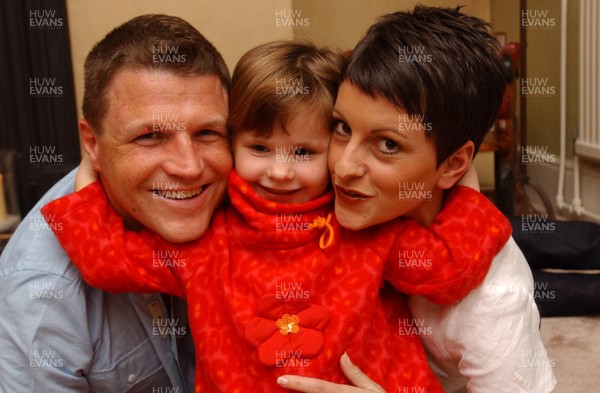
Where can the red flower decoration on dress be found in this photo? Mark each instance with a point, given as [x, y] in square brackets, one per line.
[295, 326]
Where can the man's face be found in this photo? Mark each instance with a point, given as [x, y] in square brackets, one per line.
[163, 152]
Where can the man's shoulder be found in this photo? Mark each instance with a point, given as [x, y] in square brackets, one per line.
[33, 246]
[63, 187]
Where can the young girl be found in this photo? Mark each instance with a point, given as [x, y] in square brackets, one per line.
[276, 285]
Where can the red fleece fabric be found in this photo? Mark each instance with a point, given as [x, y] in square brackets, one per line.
[265, 300]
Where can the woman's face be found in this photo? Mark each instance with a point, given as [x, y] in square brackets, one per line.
[381, 164]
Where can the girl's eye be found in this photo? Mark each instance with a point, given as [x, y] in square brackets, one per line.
[302, 152]
[340, 128]
[259, 148]
[388, 146]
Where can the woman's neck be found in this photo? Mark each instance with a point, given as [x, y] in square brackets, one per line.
[425, 213]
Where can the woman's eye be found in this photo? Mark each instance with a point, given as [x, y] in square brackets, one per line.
[388, 146]
[341, 128]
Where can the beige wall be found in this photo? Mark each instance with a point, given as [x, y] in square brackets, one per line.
[543, 113]
[543, 61]
[234, 26]
[341, 23]
[505, 18]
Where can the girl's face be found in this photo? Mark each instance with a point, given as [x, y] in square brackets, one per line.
[290, 166]
[382, 165]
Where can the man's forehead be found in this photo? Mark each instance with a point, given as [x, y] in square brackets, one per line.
[157, 77]
[162, 87]
[137, 98]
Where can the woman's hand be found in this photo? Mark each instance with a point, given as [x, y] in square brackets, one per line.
[361, 382]
[470, 179]
[86, 174]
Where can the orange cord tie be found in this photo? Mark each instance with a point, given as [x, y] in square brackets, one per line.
[321, 222]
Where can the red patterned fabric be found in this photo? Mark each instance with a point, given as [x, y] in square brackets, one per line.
[286, 325]
[265, 300]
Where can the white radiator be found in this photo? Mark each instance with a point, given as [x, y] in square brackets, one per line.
[587, 145]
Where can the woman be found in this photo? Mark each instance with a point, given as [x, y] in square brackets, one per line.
[419, 93]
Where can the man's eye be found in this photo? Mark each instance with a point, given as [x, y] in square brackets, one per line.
[340, 128]
[259, 148]
[149, 136]
[388, 146]
[209, 134]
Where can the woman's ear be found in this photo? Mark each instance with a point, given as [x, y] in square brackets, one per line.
[455, 166]
[89, 141]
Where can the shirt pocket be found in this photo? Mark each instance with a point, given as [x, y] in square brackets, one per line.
[137, 369]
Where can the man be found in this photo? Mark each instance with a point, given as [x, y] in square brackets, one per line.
[154, 125]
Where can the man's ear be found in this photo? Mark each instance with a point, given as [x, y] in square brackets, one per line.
[89, 141]
[455, 166]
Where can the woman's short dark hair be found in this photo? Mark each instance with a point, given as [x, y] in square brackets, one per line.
[435, 63]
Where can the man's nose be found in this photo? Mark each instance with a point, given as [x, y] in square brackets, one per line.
[184, 159]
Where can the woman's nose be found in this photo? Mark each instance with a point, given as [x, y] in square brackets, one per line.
[350, 163]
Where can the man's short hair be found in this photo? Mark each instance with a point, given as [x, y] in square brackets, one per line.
[147, 42]
[435, 63]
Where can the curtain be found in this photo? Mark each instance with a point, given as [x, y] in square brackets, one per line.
[38, 117]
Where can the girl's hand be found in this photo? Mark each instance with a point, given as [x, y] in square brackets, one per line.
[362, 383]
[86, 174]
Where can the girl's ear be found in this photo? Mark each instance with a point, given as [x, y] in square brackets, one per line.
[455, 166]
